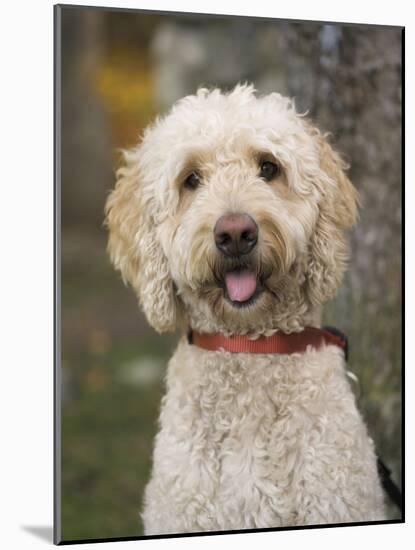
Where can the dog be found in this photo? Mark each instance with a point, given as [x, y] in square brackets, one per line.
[228, 220]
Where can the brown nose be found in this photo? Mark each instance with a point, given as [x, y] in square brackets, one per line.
[235, 234]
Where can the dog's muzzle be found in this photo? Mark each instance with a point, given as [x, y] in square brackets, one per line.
[236, 236]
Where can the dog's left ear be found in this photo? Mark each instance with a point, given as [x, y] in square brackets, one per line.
[338, 211]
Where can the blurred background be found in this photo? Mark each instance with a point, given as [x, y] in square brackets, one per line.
[118, 70]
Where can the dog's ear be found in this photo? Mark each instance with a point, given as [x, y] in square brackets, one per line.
[134, 247]
[342, 197]
[338, 211]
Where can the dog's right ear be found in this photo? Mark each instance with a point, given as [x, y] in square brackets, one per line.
[134, 248]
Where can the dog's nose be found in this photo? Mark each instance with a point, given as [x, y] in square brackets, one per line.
[235, 234]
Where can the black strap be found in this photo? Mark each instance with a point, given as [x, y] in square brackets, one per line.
[388, 484]
[343, 338]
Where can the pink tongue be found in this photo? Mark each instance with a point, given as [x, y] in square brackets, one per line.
[240, 285]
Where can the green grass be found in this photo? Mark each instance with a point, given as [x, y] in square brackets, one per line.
[107, 435]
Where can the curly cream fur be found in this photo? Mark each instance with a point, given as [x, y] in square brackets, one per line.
[245, 441]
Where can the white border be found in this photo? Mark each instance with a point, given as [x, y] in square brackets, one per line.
[26, 267]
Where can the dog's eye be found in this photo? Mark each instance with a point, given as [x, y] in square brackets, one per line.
[192, 181]
[269, 170]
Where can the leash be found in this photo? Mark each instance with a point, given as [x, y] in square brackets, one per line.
[389, 485]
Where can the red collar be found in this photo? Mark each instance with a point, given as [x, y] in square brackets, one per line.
[296, 342]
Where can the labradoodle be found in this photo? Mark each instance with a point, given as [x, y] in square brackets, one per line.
[228, 221]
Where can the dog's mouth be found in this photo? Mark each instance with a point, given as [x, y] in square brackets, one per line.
[242, 286]
[238, 281]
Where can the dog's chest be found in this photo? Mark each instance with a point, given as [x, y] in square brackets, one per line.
[236, 431]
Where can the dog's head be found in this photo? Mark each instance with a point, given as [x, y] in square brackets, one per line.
[230, 215]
